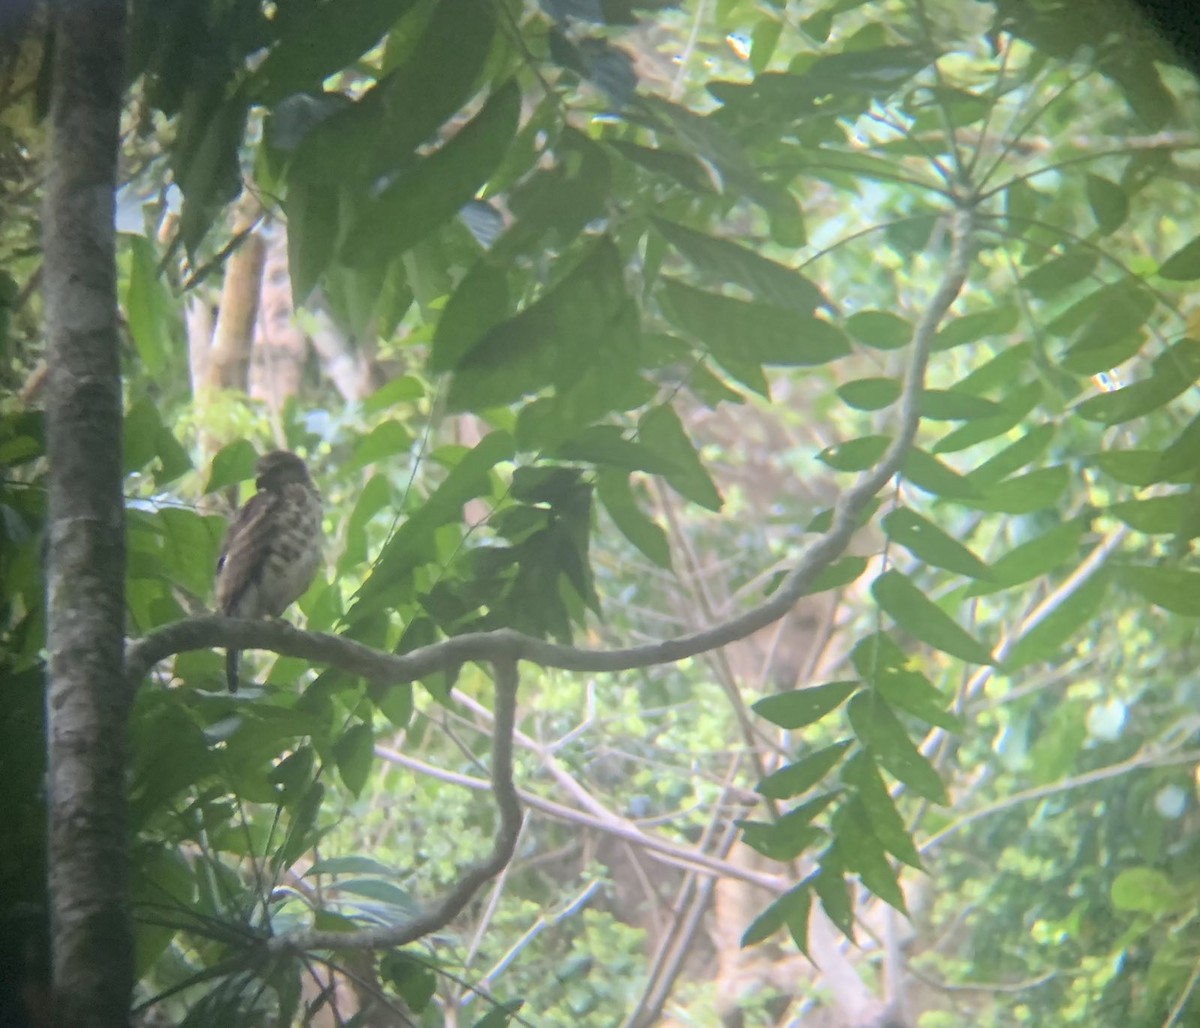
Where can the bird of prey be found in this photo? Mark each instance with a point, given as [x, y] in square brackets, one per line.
[272, 548]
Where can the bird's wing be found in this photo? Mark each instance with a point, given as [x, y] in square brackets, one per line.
[245, 549]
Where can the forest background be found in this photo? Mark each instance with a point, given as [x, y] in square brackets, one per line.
[802, 392]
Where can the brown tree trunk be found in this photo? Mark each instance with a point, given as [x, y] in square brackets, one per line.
[87, 703]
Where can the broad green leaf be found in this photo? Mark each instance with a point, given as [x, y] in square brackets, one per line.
[355, 752]
[412, 543]
[412, 978]
[737, 332]
[1156, 515]
[580, 327]
[302, 827]
[1184, 264]
[616, 493]
[1013, 409]
[1110, 205]
[1145, 890]
[934, 476]
[926, 621]
[1034, 558]
[352, 864]
[1173, 589]
[911, 691]
[312, 228]
[855, 454]
[403, 389]
[885, 739]
[377, 134]
[869, 393]
[148, 308]
[232, 464]
[433, 189]
[1013, 457]
[801, 707]
[949, 405]
[385, 440]
[830, 885]
[797, 778]
[840, 573]
[661, 431]
[1024, 494]
[326, 39]
[880, 329]
[1173, 372]
[977, 325]
[1132, 467]
[1001, 371]
[1045, 639]
[478, 304]
[772, 283]
[1180, 454]
[863, 853]
[929, 543]
[790, 909]
[1055, 275]
[861, 774]
[140, 431]
[371, 499]
[607, 445]
[791, 835]
[1105, 316]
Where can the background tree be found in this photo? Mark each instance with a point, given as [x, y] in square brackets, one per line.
[828, 369]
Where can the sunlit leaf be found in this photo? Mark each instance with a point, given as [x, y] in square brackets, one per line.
[922, 618]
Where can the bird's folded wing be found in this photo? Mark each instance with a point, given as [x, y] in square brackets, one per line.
[245, 550]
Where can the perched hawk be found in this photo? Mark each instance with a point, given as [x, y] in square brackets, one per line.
[272, 548]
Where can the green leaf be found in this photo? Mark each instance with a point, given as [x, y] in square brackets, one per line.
[326, 39]
[927, 542]
[412, 978]
[863, 853]
[840, 573]
[1054, 276]
[830, 885]
[403, 389]
[616, 493]
[436, 187]
[1109, 315]
[1184, 264]
[855, 454]
[302, 828]
[1013, 410]
[869, 393]
[355, 752]
[1156, 515]
[478, 304]
[970, 328]
[797, 778]
[934, 476]
[911, 691]
[885, 738]
[148, 308]
[924, 620]
[801, 707]
[232, 464]
[1145, 890]
[661, 430]
[1034, 558]
[607, 445]
[1024, 494]
[948, 405]
[1173, 372]
[385, 440]
[774, 284]
[1045, 639]
[790, 909]
[1013, 457]
[1173, 589]
[880, 329]
[312, 228]
[140, 431]
[411, 545]
[737, 332]
[1110, 205]
[861, 774]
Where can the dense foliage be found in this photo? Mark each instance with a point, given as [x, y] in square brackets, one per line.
[642, 292]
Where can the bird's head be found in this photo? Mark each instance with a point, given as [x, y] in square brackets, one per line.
[279, 467]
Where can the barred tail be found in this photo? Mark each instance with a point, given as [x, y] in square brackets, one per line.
[231, 669]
